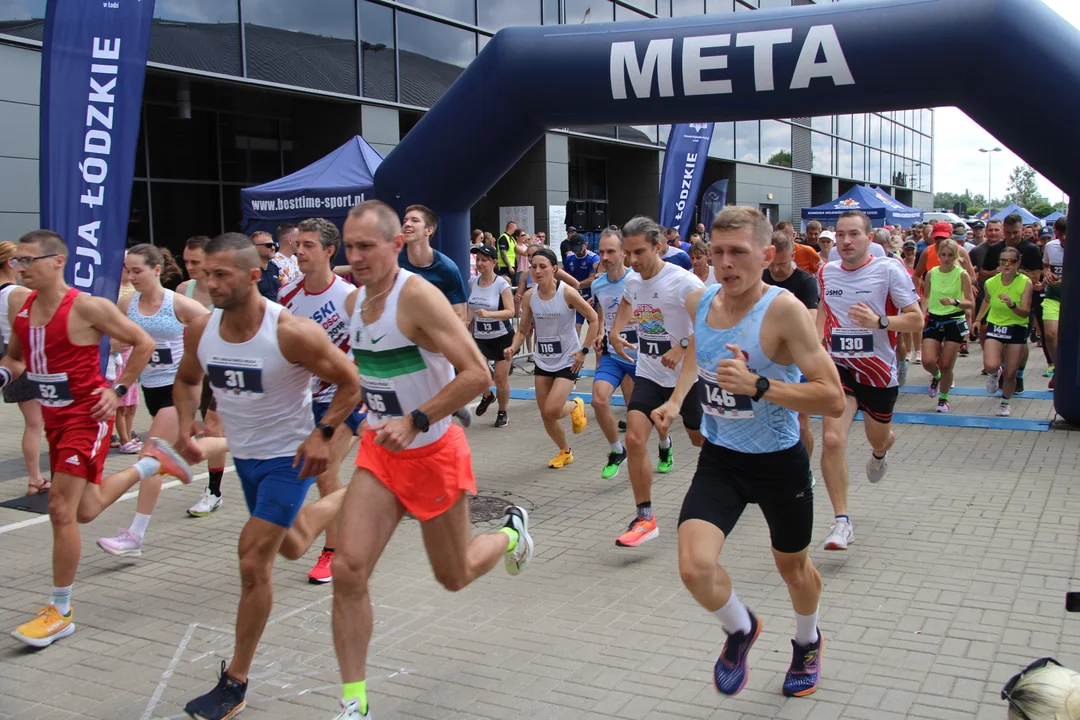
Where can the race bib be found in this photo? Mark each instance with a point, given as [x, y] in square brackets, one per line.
[162, 356]
[236, 376]
[720, 403]
[962, 326]
[999, 332]
[487, 326]
[52, 389]
[381, 398]
[629, 336]
[654, 345]
[852, 343]
[549, 347]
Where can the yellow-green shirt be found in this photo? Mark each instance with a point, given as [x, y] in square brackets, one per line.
[1000, 313]
[945, 285]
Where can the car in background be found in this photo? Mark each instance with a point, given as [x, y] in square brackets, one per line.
[952, 219]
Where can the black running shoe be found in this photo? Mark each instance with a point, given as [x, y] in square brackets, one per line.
[222, 703]
[622, 424]
[964, 350]
[485, 403]
[1019, 389]
[805, 669]
[501, 420]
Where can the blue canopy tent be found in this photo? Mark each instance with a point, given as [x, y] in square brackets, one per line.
[866, 200]
[1014, 208]
[328, 188]
[1052, 217]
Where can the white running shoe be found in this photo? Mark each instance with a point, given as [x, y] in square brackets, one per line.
[841, 534]
[991, 383]
[1004, 410]
[207, 504]
[351, 711]
[126, 544]
[516, 560]
[901, 372]
[877, 468]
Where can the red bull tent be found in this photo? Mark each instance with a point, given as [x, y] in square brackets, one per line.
[879, 206]
[327, 188]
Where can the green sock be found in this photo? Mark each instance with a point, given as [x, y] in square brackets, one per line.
[356, 691]
[937, 375]
[513, 535]
[944, 396]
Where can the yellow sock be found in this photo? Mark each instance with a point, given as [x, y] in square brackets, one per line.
[513, 535]
[356, 691]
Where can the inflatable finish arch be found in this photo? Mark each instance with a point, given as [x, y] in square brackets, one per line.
[819, 60]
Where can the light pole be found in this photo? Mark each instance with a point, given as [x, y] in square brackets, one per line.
[989, 175]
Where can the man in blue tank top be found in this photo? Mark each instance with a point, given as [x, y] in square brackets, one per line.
[749, 344]
[581, 263]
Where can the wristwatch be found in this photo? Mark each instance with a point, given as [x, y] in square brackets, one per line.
[762, 386]
[584, 350]
[684, 343]
[883, 322]
[420, 420]
[120, 390]
[326, 430]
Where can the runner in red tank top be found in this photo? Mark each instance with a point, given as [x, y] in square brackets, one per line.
[55, 338]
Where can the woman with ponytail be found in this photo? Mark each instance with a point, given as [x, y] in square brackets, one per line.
[1044, 690]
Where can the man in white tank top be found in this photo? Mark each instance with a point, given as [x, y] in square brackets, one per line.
[320, 295]
[407, 342]
[261, 359]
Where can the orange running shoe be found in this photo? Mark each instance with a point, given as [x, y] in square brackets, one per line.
[640, 532]
[45, 629]
[565, 457]
[171, 462]
[577, 416]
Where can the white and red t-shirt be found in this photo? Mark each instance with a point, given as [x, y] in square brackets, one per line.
[326, 308]
[884, 286]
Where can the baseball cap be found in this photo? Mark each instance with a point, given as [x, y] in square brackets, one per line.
[571, 230]
[577, 240]
[978, 224]
[485, 250]
[1046, 232]
[828, 234]
[909, 245]
[941, 229]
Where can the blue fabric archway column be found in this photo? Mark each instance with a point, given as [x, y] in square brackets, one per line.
[823, 60]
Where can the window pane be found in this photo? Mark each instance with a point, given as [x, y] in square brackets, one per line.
[874, 139]
[746, 141]
[767, 4]
[230, 208]
[886, 168]
[433, 55]
[250, 149]
[289, 44]
[181, 149]
[662, 132]
[589, 11]
[24, 19]
[684, 8]
[723, 141]
[638, 133]
[623, 13]
[646, 5]
[199, 34]
[377, 51]
[719, 6]
[874, 175]
[858, 127]
[822, 123]
[462, 10]
[138, 230]
[843, 126]
[776, 143]
[551, 12]
[497, 14]
[843, 158]
[182, 210]
[887, 135]
[822, 148]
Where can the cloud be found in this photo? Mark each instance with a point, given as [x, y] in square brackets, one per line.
[958, 164]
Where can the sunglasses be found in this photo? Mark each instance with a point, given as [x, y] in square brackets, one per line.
[1006, 692]
[26, 262]
[266, 244]
[1008, 261]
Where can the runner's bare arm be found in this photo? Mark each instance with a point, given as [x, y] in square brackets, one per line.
[615, 340]
[574, 300]
[822, 392]
[524, 325]
[664, 415]
[507, 297]
[1023, 308]
[567, 278]
[106, 318]
[187, 386]
[968, 301]
[350, 302]
[920, 271]
[983, 310]
[13, 359]
[342, 270]
[187, 309]
[462, 311]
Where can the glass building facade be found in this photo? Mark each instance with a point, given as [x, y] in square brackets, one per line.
[402, 55]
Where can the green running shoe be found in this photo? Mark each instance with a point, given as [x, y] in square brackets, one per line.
[614, 460]
[667, 460]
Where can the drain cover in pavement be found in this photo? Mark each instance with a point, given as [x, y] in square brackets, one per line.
[484, 508]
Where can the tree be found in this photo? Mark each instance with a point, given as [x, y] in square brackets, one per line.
[1023, 190]
[1041, 209]
[781, 158]
[946, 201]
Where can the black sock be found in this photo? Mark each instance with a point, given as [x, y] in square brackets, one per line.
[644, 510]
[327, 549]
[215, 481]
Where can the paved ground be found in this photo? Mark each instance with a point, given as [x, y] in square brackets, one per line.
[956, 581]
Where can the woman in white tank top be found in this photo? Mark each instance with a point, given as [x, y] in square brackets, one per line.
[164, 315]
[20, 390]
[550, 307]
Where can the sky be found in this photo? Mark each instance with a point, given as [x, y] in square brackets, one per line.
[958, 164]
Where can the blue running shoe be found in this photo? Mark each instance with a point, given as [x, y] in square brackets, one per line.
[802, 676]
[732, 669]
[224, 702]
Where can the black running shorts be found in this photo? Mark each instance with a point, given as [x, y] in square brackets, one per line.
[648, 396]
[726, 481]
[157, 398]
[877, 403]
[946, 329]
[492, 348]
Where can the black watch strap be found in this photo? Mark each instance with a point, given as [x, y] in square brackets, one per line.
[326, 430]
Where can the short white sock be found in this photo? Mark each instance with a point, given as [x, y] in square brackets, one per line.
[806, 629]
[666, 442]
[616, 447]
[147, 466]
[138, 525]
[734, 616]
[61, 598]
